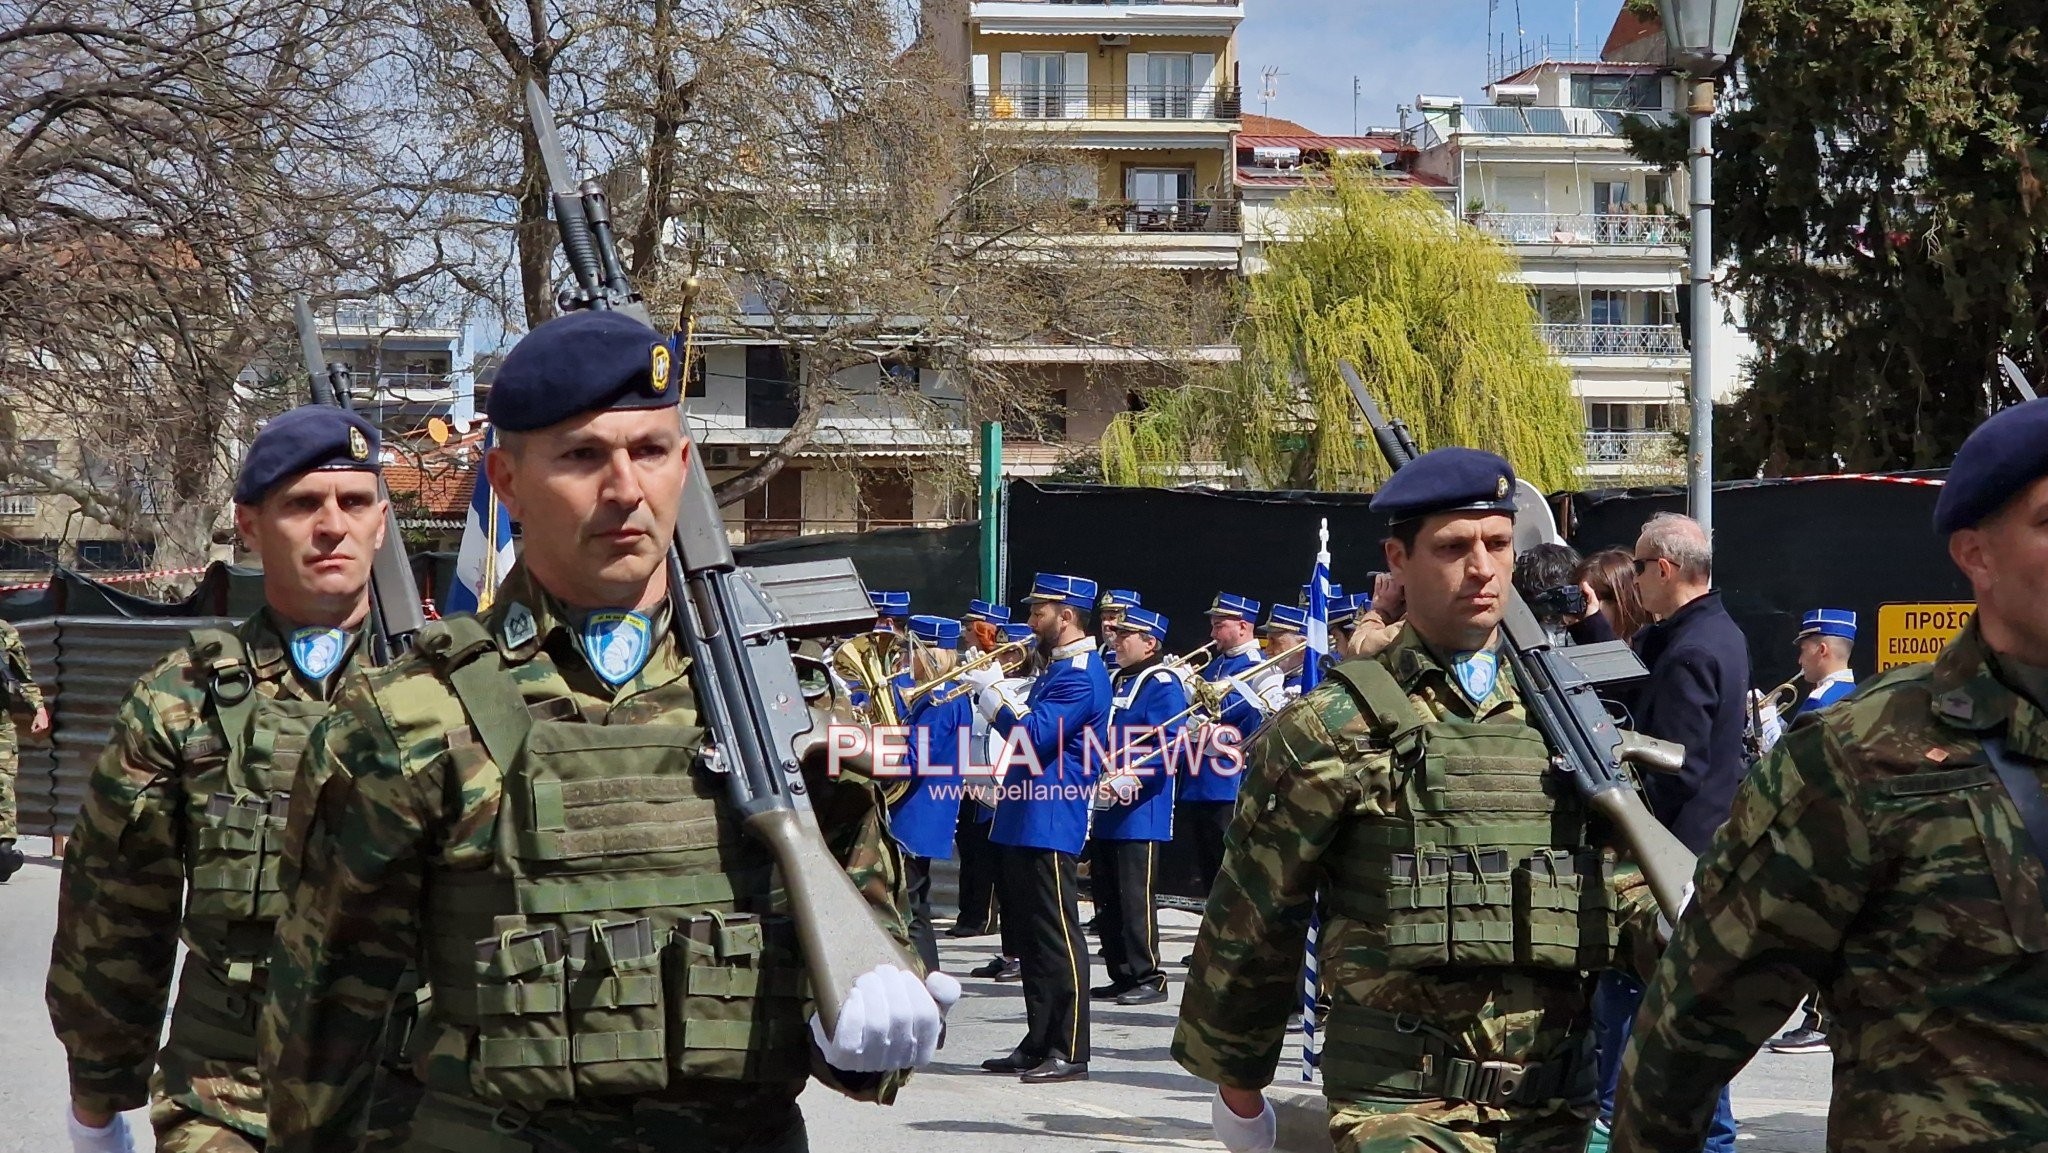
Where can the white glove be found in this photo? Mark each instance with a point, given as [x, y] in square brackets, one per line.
[997, 697]
[982, 676]
[85, 1139]
[1243, 1134]
[890, 1021]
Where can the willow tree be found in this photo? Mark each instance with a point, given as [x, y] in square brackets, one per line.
[1427, 308]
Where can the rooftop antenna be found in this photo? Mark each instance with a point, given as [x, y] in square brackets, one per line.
[1269, 88]
[1354, 103]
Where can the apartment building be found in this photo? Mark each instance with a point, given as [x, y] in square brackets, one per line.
[1601, 236]
[409, 362]
[1278, 158]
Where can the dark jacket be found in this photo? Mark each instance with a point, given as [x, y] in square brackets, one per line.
[1696, 695]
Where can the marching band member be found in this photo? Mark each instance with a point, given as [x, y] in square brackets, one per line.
[883, 642]
[924, 817]
[1135, 808]
[1042, 823]
[1286, 631]
[1206, 796]
[980, 858]
[1826, 638]
[1114, 604]
[982, 624]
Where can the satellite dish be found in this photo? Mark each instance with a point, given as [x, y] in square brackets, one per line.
[1534, 523]
[437, 430]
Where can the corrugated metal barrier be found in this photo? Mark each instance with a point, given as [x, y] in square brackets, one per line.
[95, 661]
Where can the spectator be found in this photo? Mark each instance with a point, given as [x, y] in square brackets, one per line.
[1611, 576]
[1697, 695]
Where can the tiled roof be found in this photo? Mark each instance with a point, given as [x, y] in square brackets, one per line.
[1271, 126]
[1629, 27]
[1268, 178]
[441, 476]
[1310, 142]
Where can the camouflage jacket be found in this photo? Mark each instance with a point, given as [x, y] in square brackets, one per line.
[121, 901]
[402, 790]
[1316, 768]
[1875, 856]
[22, 690]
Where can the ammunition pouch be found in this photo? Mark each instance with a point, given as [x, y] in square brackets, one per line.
[1370, 1052]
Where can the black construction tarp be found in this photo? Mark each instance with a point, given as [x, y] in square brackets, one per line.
[940, 567]
[224, 590]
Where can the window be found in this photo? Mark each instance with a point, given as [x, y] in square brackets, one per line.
[1162, 199]
[39, 554]
[1042, 90]
[1048, 422]
[1657, 192]
[113, 555]
[771, 386]
[694, 383]
[776, 509]
[1603, 416]
[1170, 82]
[1615, 90]
[1608, 307]
[1609, 197]
[885, 497]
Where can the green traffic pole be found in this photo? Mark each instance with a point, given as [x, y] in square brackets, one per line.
[991, 510]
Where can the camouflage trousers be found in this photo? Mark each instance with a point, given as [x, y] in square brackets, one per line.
[448, 1124]
[10, 765]
[1439, 1126]
[180, 1129]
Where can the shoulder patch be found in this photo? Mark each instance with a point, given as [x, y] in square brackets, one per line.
[1078, 660]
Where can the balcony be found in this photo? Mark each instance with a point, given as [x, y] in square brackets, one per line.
[1622, 445]
[384, 317]
[22, 507]
[1649, 340]
[1204, 18]
[1147, 102]
[1612, 230]
[1129, 216]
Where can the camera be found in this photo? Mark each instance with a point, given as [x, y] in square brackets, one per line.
[1563, 602]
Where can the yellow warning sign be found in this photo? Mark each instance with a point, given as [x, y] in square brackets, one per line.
[1912, 634]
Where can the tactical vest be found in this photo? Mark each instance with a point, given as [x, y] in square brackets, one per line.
[239, 769]
[628, 931]
[1486, 859]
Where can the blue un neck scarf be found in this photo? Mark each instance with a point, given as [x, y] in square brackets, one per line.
[617, 643]
[1476, 673]
[316, 652]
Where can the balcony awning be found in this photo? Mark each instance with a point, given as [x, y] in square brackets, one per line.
[1601, 277]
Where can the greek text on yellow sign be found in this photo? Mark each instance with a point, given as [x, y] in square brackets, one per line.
[1911, 634]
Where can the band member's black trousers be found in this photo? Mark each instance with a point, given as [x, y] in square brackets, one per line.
[1203, 823]
[918, 875]
[978, 868]
[1125, 876]
[1041, 917]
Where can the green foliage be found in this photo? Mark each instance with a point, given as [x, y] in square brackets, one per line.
[1426, 308]
[1879, 190]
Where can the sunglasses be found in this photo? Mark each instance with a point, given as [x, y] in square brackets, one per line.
[1643, 562]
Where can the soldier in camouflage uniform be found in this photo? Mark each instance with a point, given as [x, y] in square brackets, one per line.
[1462, 903]
[517, 808]
[1889, 852]
[184, 815]
[18, 682]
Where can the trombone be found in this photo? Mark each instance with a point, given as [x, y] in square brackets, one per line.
[1207, 696]
[914, 692]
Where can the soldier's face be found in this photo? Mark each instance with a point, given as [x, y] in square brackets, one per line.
[597, 497]
[2006, 559]
[1456, 577]
[317, 536]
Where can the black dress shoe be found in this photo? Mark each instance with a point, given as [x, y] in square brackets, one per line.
[1013, 970]
[1142, 995]
[999, 969]
[1017, 1062]
[959, 931]
[1055, 1070]
[1109, 992]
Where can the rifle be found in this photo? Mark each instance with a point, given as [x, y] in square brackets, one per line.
[2016, 378]
[395, 616]
[1564, 705]
[737, 638]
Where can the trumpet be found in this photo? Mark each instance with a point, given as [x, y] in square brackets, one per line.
[1207, 696]
[1790, 694]
[1190, 661]
[997, 653]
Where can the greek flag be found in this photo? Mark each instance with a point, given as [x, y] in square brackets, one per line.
[486, 554]
[1318, 614]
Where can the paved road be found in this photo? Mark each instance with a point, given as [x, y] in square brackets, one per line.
[1137, 1099]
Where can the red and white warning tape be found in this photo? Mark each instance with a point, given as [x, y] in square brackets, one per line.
[1922, 481]
[117, 578]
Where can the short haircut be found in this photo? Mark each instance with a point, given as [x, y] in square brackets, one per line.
[1680, 540]
[1839, 647]
[1544, 567]
[1407, 532]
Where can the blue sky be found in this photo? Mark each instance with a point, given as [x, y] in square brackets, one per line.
[1396, 48]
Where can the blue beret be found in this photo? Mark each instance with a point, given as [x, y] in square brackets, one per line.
[1447, 480]
[2005, 454]
[583, 361]
[1232, 605]
[1829, 623]
[1137, 620]
[1287, 618]
[980, 610]
[1067, 590]
[943, 631]
[1018, 632]
[889, 603]
[1120, 599]
[315, 436]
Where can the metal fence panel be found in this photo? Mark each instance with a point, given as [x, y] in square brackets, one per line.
[35, 790]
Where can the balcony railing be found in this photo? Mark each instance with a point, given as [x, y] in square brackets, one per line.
[386, 318]
[19, 507]
[1620, 445]
[1620, 229]
[1613, 339]
[1111, 102]
[1134, 216]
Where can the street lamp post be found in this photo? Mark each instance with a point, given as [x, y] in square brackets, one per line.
[1701, 35]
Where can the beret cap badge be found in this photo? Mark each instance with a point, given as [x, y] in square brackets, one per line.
[659, 369]
[358, 444]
